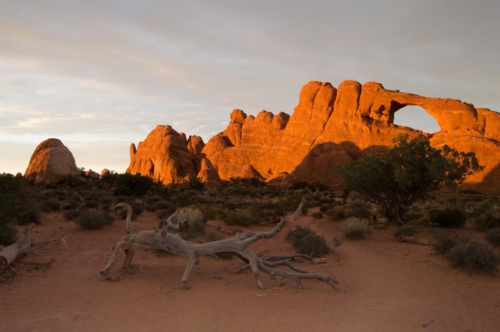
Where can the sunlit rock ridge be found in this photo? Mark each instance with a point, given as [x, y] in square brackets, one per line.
[329, 126]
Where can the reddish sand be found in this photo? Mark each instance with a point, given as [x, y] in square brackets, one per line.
[384, 286]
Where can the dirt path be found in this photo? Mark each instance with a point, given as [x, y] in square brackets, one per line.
[385, 286]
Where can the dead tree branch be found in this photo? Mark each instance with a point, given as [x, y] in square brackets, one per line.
[10, 253]
[160, 239]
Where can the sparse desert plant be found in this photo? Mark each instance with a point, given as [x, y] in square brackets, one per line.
[449, 218]
[50, 205]
[356, 228]
[317, 215]
[290, 202]
[91, 204]
[241, 217]
[194, 221]
[70, 204]
[162, 205]
[95, 219]
[195, 183]
[406, 230]
[8, 234]
[444, 242]
[493, 236]
[181, 200]
[473, 256]
[337, 212]
[487, 221]
[307, 242]
[72, 214]
[29, 214]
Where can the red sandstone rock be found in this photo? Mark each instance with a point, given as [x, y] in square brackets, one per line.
[335, 126]
[50, 163]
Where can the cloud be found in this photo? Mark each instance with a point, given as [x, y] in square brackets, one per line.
[134, 65]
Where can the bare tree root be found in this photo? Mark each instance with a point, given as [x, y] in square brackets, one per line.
[160, 239]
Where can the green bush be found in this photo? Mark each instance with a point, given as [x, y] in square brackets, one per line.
[94, 219]
[448, 218]
[181, 200]
[72, 214]
[406, 230]
[50, 205]
[493, 236]
[308, 242]
[356, 228]
[444, 242]
[473, 256]
[162, 205]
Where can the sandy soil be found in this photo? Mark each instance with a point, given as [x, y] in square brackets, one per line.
[385, 286]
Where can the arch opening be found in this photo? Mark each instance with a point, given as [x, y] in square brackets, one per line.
[417, 118]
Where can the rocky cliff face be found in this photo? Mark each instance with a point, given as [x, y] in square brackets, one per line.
[50, 163]
[333, 126]
[166, 156]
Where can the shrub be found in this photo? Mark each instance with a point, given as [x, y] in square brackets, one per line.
[195, 183]
[165, 213]
[448, 218]
[308, 242]
[242, 217]
[28, 215]
[8, 234]
[493, 236]
[181, 200]
[317, 215]
[94, 219]
[337, 212]
[405, 231]
[132, 185]
[91, 204]
[355, 228]
[487, 221]
[72, 214]
[473, 256]
[137, 206]
[162, 205]
[292, 202]
[50, 205]
[69, 205]
[444, 242]
[194, 222]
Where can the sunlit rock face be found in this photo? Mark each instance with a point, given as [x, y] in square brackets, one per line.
[167, 157]
[332, 126]
[51, 163]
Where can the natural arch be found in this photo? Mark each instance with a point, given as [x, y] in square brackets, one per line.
[417, 118]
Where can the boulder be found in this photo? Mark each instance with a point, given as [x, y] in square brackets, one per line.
[51, 163]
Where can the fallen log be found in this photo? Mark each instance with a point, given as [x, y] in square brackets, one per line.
[160, 239]
[9, 254]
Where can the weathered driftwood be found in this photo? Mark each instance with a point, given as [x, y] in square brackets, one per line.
[160, 239]
[10, 253]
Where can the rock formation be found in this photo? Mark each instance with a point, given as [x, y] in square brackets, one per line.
[167, 157]
[51, 163]
[333, 126]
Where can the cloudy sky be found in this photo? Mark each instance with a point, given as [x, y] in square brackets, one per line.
[100, 75]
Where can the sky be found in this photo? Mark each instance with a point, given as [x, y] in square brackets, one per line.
[100, 75]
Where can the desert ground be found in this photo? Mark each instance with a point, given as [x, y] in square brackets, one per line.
[384, 286]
